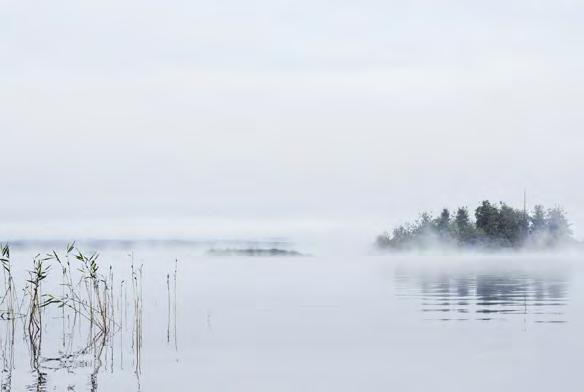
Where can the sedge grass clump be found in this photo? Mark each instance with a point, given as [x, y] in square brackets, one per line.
[90, 296]
[9, 299]
[34, 320]
[36, 276]
[85, 301]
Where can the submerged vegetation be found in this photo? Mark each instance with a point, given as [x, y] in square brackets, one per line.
[495, 226]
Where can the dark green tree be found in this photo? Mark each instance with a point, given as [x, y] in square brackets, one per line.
[464, 229]
[512, 226]
[558, 226]
[487, 220]
[425, 224]
[443, 223]
[402, 237]
[538, 220]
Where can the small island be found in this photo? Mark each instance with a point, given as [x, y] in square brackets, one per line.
[253, 252]
[495, 226]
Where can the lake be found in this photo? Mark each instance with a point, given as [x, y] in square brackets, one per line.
[315, 323]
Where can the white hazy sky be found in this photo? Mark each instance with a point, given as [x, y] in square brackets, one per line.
[360, 113]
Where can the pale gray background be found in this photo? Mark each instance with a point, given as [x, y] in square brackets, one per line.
[178, 118]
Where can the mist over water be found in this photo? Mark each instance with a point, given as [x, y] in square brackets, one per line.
[344, 316]
[233, 164]
[330, 322]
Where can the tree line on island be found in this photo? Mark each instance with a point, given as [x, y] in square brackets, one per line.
[495, 226]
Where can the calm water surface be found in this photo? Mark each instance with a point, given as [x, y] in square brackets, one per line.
[371, 323]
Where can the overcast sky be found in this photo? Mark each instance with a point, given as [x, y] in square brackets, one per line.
[360, 113]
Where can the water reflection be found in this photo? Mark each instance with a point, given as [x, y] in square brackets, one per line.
[486, 295]
[76, 335]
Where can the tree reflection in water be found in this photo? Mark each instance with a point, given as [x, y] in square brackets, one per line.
[486, 296]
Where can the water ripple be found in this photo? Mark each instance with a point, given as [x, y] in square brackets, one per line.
[510, 295]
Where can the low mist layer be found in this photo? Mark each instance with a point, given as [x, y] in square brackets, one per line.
[494, 227]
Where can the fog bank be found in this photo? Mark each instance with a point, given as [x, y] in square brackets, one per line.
[263, 111]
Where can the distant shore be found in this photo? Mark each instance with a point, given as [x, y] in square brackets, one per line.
[253, 252]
